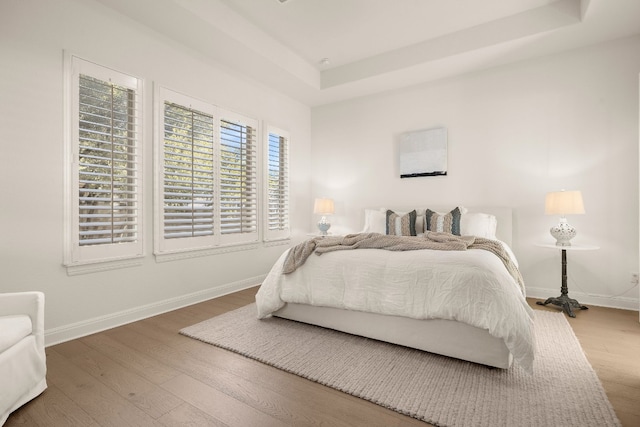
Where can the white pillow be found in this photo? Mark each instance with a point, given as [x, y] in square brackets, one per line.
[375, 221]
[479, 224]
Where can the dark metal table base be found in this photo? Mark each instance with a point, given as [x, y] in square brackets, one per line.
[566, 303]
[563, 301]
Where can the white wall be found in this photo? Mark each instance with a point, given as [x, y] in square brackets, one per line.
[516, 132]
[33, 35]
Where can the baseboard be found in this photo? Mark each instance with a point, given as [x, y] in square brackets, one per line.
[97, 324]
[624, 303]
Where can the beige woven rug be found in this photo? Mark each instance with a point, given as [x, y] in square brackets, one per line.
[563, 391]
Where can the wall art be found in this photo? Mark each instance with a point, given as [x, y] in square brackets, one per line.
[423, 153]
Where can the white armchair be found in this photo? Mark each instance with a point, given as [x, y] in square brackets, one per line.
[22, 358]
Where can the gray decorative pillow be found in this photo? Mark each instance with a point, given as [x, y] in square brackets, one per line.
[447, 223]
[401, 225]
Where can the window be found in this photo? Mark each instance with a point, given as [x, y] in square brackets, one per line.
[188, 172]
[104, 189]
[186, 180]
[207, 179]
[277, 188]
[238, 179]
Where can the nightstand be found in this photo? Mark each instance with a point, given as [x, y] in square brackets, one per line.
[563, 301]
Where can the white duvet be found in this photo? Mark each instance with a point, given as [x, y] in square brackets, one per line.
[471, 286]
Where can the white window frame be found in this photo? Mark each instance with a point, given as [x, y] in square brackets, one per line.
[76, 254]
[176, 248]
[285, 232]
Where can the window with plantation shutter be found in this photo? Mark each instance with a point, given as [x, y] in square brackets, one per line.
[188, 172]
[104, 180]
[238, 180]
[277, 185]
[207, 175]
[185, 141]
[107, 163]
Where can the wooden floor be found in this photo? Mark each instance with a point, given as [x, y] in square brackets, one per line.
[145, 373]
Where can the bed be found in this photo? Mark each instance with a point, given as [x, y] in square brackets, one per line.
[464, 304]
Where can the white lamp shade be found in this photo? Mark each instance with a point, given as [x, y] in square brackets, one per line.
[563, 203]
[323, 207]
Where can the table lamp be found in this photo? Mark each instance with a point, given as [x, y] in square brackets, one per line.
[563, 203]
[323, 207]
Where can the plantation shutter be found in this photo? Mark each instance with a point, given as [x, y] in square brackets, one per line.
[238, 201]
[107, 163]
[277, 209]
[188, 182]
[103, 166]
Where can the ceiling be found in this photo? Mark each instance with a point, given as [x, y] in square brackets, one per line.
[376, 45]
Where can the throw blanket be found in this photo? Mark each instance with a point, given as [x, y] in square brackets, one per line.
[431, 240]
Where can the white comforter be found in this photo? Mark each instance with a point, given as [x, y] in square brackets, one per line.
[471, 286]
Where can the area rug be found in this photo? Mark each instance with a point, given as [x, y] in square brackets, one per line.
[564, 390]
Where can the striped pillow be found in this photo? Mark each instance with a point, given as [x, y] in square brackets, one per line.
[401, 225]
[447, 223]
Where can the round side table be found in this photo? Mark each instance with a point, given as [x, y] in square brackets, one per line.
[563, 301]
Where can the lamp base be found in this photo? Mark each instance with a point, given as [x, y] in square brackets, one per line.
[323, 226]
[564, 302]
[563, 233]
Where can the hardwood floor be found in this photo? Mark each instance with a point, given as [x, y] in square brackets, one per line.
[146, 374]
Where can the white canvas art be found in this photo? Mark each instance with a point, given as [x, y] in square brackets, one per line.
[423, 153]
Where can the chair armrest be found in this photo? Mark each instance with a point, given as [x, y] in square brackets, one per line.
[29, 303]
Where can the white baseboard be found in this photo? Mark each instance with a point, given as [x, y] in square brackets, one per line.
[97, 324]
[624, 303]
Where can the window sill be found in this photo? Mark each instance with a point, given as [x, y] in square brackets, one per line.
[187, 254]
[280, 242]
[97, 267]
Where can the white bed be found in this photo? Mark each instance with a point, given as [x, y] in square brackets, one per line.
[460, 332]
